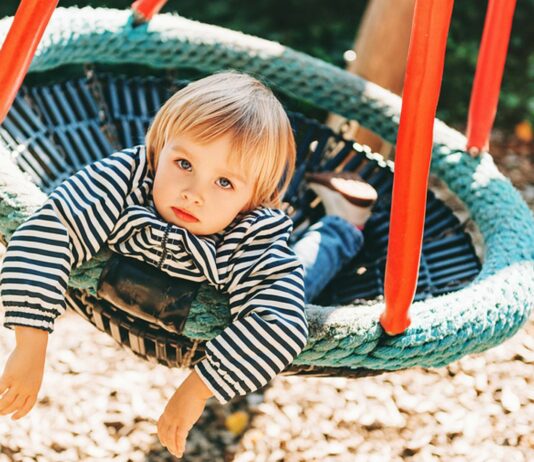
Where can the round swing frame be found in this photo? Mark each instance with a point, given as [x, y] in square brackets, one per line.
[444, 328]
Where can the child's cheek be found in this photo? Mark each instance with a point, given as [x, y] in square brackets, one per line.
[159, 198]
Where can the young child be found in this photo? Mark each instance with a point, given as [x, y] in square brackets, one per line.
[201, 202]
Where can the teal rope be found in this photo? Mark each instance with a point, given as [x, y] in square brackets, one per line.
[491, 309]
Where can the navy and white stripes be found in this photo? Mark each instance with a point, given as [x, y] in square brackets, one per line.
[110, 202]
[67, 230]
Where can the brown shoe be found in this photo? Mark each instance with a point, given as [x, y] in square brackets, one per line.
[350, 185]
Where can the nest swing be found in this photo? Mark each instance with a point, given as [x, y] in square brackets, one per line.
[461, 306]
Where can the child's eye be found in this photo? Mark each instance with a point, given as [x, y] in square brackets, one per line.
[225, 183]
[185, 164]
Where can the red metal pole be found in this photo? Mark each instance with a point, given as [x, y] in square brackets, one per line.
[144, 10]
[422, 84]
[488, 75]
[17, 51]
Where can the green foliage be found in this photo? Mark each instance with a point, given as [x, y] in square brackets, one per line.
[516, 102]
[326, 29]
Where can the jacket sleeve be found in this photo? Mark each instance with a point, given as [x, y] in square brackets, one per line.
[67, 230]
[268, 328]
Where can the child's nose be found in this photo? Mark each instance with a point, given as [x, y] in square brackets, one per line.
[192, 196]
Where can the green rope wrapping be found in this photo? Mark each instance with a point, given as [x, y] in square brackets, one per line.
[491, 309]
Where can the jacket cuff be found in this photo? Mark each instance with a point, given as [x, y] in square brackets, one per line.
[216, 379]
[16, 318]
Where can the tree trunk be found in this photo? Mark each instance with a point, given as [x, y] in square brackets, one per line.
[381, 48]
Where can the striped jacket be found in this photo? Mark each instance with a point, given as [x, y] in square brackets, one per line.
[110, 201]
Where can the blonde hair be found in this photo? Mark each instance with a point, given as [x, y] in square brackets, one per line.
[263, 145]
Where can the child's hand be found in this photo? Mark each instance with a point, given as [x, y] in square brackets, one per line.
[21, 381]
[182, 411]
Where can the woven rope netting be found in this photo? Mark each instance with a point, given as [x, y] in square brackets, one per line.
[483, 314]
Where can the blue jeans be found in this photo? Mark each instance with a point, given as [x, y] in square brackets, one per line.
[323, 249]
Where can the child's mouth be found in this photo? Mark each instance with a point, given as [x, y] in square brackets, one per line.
[182, 215]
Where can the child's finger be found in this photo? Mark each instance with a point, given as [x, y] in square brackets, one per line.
[164, 434]
[24, 409]
[7, 397]
[15, 405]
[7, 400]
[172, 439]
[27, 407]
[181, 436]
[6, 394]
[3, 386]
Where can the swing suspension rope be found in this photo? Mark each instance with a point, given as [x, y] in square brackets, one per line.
[415, 136]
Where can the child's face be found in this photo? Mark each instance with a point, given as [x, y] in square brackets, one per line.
[197, 179]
